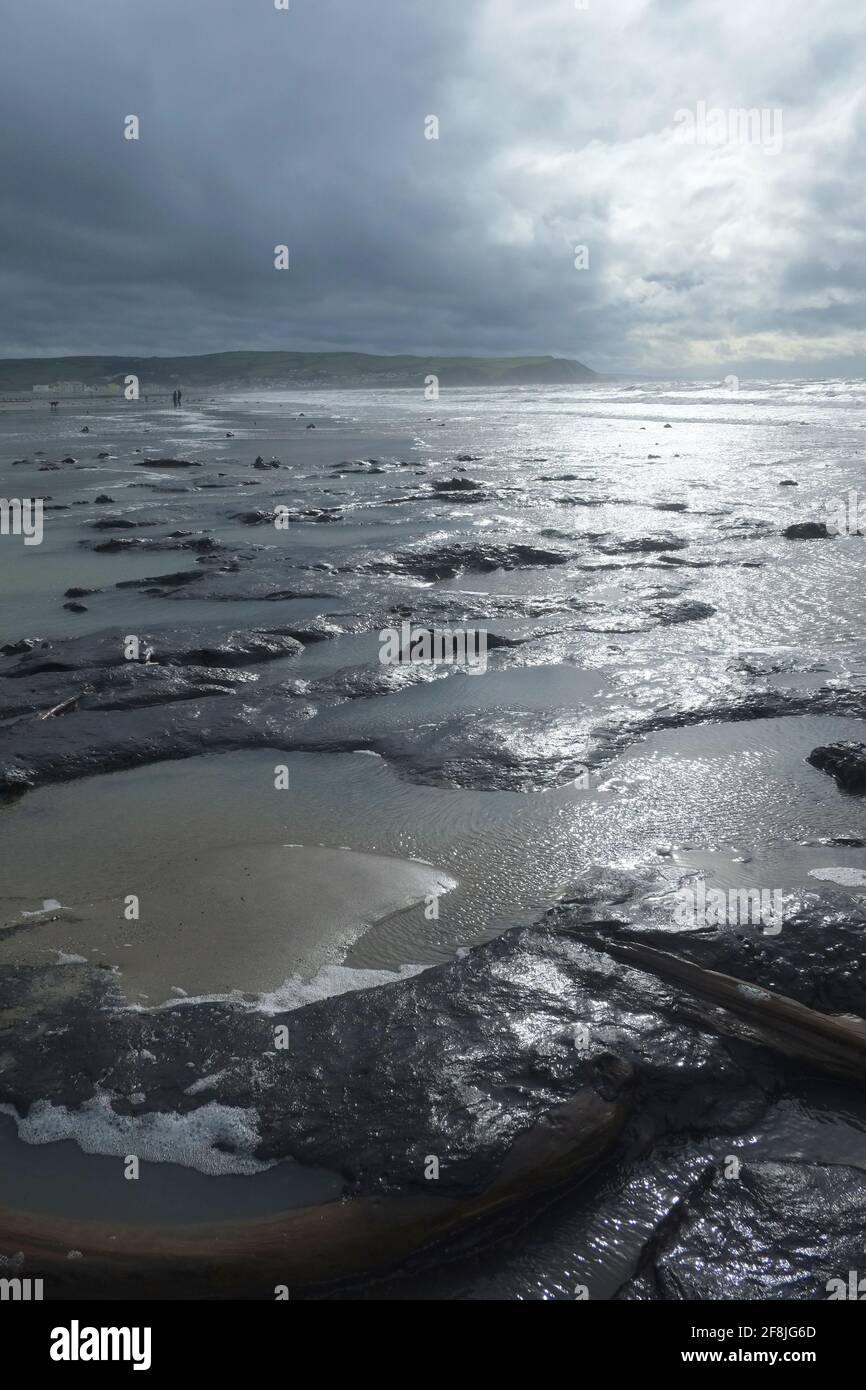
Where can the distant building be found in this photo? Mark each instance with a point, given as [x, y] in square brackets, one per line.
[76, 388]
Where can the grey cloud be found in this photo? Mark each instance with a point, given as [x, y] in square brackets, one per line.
[261, 127]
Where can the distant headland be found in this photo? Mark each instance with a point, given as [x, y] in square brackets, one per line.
[284, 369]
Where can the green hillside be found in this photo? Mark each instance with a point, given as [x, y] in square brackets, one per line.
[289, 369]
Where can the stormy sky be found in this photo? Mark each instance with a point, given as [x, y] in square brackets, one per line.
[558, 129]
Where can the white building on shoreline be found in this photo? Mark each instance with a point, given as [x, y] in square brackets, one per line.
[76, 388]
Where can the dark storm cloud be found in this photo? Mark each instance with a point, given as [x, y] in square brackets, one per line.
[306, 127]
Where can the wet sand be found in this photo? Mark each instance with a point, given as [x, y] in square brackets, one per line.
[665, 663]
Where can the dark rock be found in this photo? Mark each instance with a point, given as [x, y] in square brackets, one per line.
[166, 463]
[643, 545]
[455, 557]
[563, 478]
[686, 611]
[97, 741]
[488, 1039]
[732, 1240]
[365, 466]
[844, 761]
[183, 646]
[456, 485]
[202, 544]
[136, 685]
[807, 531]
[155, 583]
[318, 514]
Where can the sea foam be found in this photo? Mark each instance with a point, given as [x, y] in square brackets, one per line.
[189, 1139]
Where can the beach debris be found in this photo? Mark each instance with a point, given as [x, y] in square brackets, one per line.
[65, 705]
[834, 1042]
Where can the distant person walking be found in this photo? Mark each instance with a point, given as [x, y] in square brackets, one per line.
[174, 398]
[179, 397]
